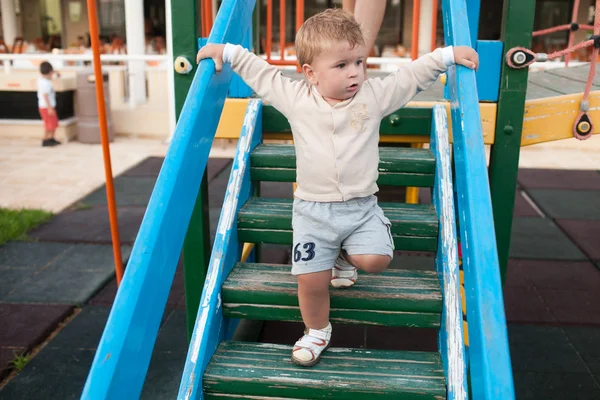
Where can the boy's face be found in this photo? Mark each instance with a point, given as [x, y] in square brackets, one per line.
[337, 73]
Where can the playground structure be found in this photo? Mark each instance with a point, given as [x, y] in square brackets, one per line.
[482, 110]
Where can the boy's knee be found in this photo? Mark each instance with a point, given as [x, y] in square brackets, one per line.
[314, 283]
[370, 263]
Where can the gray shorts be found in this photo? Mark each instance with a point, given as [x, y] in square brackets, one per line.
[322, 229]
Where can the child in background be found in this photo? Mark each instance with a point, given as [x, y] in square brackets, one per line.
[47, 103]
[335, 113]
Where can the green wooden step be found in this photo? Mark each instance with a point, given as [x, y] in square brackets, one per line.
[266, 220]
[265, 371]
[393, 298]
[397, 166]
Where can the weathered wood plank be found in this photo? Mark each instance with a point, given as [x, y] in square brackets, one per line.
[258, 369]
[276, 214]
[266, 220]
[557, 83]
[535, 91]
[391, 159]
[452, 338]
[579, 74]
[393, 290]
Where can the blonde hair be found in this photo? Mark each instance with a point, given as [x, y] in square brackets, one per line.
[323, 30]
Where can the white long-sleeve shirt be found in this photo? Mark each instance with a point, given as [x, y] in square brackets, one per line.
[337, 154]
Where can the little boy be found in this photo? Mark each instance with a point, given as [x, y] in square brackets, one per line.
[335, 115]
[47, 103]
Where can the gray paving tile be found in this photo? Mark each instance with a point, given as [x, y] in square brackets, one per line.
[568, 204]
[585, 233]
[523, 304]
[551, 274]
[13, 277]
[542, 349]
[32, 255]
[164, 375]
[90, 225]
[587, 343]
[559, 179]
[150, 167]
[83, 331]
[573, 306]
[555, 386]
[27, 325]
[173, 334]
[523, 208]
[60, 285]
[129, 191]
[54, 374]
[540, 238]
[90, 257]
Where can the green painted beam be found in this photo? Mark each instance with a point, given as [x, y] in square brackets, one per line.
[406, 121]
[263, 371]
[517, 26]
[196, 248]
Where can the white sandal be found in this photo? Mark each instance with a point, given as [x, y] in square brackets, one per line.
[343, 274]
[307, 351]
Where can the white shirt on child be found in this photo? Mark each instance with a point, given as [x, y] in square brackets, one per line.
[337, 153]
[44, 86]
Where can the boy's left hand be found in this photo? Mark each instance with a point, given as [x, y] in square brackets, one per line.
[464, 55]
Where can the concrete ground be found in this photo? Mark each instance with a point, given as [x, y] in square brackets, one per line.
[56, 289]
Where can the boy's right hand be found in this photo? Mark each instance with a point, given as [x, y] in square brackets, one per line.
[51, 111]
[214, 51]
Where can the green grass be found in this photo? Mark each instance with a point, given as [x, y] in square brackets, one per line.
[20, 361]
[14, 224]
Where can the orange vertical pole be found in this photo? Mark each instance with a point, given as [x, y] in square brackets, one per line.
[414, 50]
[110, 189]
[299, 14]
[269, 29]
[209, 16]
[204, 18]
[434, 12]
[299, 22]
[282, 27]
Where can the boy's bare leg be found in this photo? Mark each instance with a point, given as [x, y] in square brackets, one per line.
[371, 263]
[313, 296]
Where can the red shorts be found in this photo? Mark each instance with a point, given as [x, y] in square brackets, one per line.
[50, 121]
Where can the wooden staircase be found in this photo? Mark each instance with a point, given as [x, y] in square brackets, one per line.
[401, 298]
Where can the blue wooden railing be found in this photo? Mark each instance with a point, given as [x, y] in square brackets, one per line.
[489, 357]
[211, 327]
[125, 349]
[451, 335]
